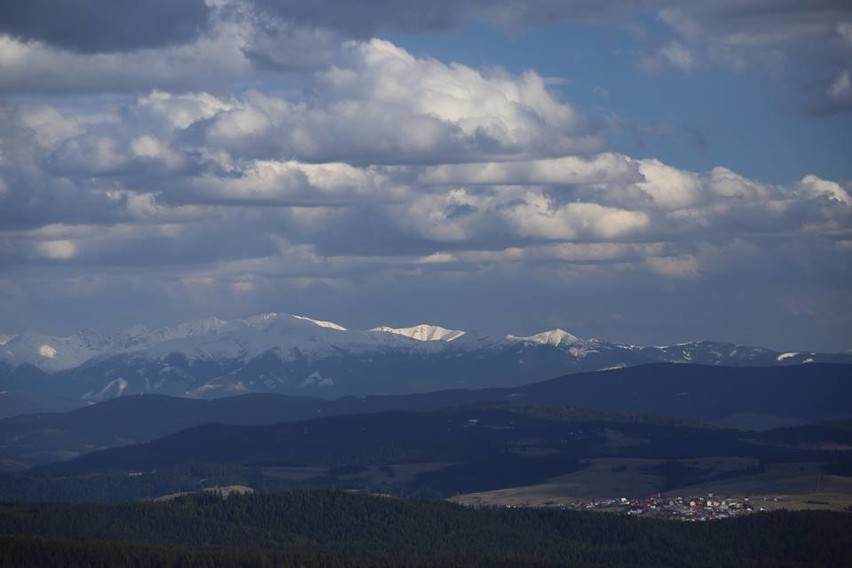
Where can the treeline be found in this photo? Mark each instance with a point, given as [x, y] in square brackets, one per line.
[335, 528]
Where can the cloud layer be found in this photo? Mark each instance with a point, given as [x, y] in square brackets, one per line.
[125, 45]
[270, 155]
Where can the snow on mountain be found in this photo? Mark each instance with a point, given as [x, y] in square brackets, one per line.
[286, 335]
[5, 338]
[113, 389]
[422, 332]
[50, 353]
[555, 337]
[295, 354]
[321, 323]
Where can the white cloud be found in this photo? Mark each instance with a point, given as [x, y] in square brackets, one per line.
[48, 125]
[568, 170]
[673, 55]
[539, 216]
[668, 187]
[815, 186]
[233, 48]
[57, 250]
[379, 104]
[674, 267]
[841, 88]
[387, 170]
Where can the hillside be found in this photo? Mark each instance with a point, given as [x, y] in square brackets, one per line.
[768, 395]
[344, 529]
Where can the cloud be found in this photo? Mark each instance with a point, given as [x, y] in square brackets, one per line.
[814, 186]
[234, 48]
[673, 55]
[767, 36]
[381, 178]
[379, 104]
[57, 250]
[674, 267]
[92, 45]
[104, 25]
[384, 154]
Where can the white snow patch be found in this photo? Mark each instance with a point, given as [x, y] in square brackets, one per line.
[422, 332]
[316, 379]
[555, 337]
[6, 338]
[261, 319]
[784, 356]
[113, 389]
[321, 323]
[47, 351]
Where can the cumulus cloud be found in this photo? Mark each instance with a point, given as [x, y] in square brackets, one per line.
[382, 175]
[385, 154]
[57, 250]
[379, 104]
[124, 45]
[236, 47]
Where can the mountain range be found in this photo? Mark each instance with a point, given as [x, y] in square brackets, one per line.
[297, 355]
[721, 395]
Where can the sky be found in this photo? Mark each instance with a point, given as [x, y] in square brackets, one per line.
[651, 171]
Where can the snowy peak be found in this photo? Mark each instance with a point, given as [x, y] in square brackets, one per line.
[422, 332]
[260, 319]
[263, 320]
[321, 323]
[49, 353]
[555, 337]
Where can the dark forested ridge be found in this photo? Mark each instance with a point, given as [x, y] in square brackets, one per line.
[436, 454]
[448, 435]
[330, 528]
[799, 393]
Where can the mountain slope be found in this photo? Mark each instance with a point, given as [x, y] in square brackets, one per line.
[297, 355]
[780, 395]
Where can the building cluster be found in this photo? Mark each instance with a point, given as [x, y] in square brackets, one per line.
[693, 508]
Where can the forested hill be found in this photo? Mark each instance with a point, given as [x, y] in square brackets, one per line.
[332, 528]
[775, 395]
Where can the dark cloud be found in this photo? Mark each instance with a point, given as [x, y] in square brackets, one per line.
[104, 26]
[101, 26]
[362, 18]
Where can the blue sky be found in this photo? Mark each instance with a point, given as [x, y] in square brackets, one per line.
[754, 122]
[652, 171]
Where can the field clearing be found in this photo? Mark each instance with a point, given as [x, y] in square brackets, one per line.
[601, 478]
[778, 479]
[779, 486]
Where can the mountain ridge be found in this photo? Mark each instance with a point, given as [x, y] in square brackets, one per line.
[680, 392]
[298, 355]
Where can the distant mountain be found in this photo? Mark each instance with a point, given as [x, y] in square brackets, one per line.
[774, 395]
[297, 355]
[467, 449]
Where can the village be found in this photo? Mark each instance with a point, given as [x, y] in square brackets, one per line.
[691, 508]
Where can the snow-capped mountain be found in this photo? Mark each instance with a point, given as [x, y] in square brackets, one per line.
[423, 332]
[295, 354]
[555, 337]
